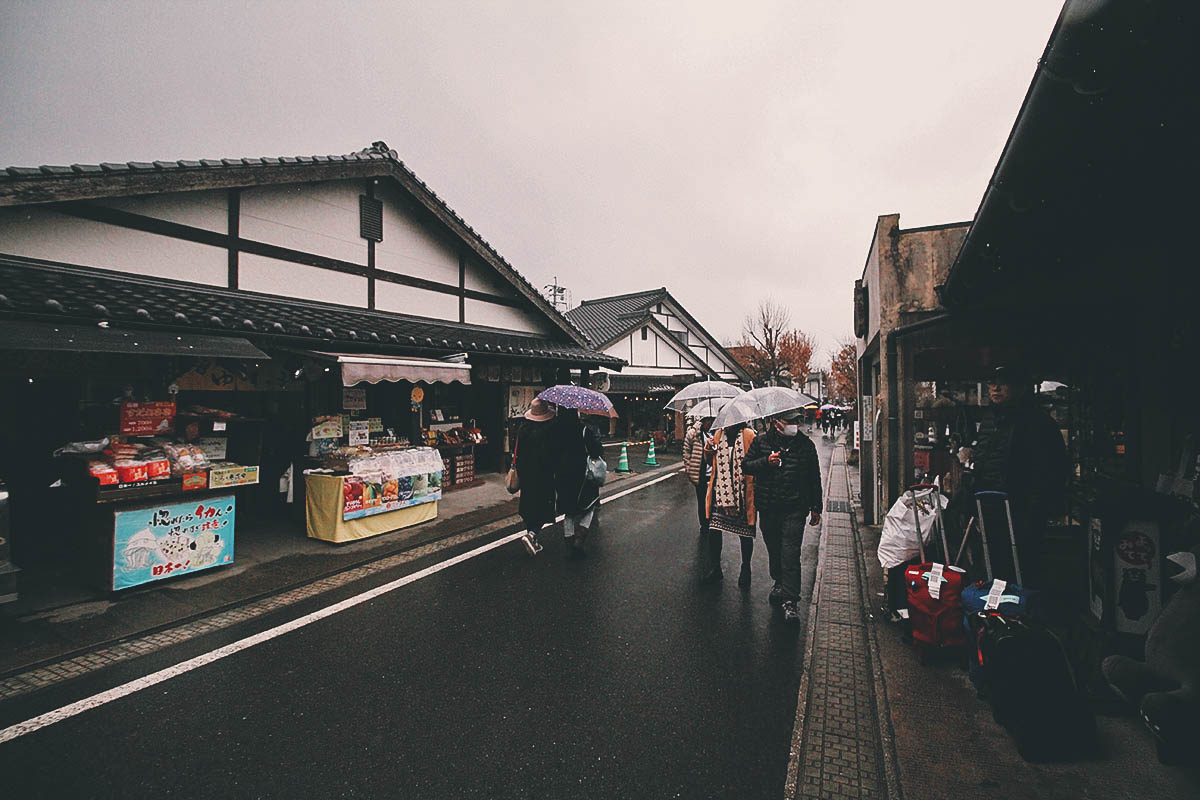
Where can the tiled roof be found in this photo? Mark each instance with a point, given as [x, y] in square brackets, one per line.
[648, 384]
[605, 318]
[42, 290]
[48, 183]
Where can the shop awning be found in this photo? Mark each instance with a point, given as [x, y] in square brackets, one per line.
[372, 368]
[95, 339]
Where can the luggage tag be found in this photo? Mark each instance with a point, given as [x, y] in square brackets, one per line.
[995, 595]
[935, 580]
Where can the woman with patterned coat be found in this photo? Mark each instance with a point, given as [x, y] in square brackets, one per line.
[730, 499]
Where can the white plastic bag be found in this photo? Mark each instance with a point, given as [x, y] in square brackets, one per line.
[898, 541]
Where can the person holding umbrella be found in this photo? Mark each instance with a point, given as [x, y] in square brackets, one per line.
[578, 498]
[787, 478]
[729, 501]
[534, 456]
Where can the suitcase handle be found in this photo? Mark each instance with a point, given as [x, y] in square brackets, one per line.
[937, 519]
[1012, 536]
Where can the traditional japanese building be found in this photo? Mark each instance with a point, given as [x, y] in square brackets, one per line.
[666, 348]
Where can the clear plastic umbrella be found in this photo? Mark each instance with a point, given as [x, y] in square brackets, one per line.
[702, 390]
[707, 408]
[755, 404]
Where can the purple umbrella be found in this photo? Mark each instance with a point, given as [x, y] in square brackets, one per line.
[586, 401]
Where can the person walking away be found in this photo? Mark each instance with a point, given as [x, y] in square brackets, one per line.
[578, 498]
[729, 500]
[787, 478]
[535, 462]
[1022, 454]
[699, 433]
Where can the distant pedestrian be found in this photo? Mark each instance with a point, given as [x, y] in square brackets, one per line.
[536, 457]
[699, 434]
[787, 477]
[578, 498]
[730, 500]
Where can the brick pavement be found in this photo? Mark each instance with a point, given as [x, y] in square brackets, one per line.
[839, 752]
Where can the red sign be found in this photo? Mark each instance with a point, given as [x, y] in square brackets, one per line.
[145, 419]
[195, 480]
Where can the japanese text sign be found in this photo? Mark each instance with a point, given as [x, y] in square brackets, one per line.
[159, 541]
[145, 419]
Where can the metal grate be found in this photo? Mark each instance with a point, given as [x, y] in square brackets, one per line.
[370, 218]
[838, 505]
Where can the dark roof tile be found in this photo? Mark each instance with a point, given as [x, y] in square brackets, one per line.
[114, 166]
[52, 170]
[87, 169]
[210, 162]
[167, 164]
[141, 165]
[190, 164]
[21, 172]
[86, 293]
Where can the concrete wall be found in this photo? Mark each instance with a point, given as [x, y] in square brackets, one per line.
[902, 271]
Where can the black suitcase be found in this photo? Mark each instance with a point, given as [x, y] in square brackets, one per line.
[1032, 689]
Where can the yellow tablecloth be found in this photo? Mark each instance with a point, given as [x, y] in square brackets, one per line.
[323, 504]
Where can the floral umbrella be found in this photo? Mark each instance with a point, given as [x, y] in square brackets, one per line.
[701, 390]
[586, 401]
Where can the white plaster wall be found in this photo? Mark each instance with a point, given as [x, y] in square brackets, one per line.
[269, 275]
[319, 218]
[409, 247]
[643, 352]
[43, 233]
[482, 278]
[479, 312]
[658, 371]
[674, 323]
[668, 356]
[622, 348]
[415, 302]
[208, 209]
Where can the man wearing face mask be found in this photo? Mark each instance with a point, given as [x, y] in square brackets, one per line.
[787, 479]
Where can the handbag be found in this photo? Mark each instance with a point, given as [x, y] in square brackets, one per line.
[512, 481]
[594, 470]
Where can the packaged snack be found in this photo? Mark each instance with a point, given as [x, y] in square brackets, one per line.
[103, 472]
[131, 471]
[157, 468]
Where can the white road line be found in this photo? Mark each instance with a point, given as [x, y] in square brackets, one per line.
[125, 689]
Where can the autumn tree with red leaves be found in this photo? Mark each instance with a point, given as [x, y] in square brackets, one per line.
[843, 373]
[773, 353]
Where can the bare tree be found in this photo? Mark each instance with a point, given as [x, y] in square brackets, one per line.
[763, 331]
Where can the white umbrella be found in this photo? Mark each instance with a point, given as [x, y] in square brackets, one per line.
[767, 401]
[702, 390]
[707, 408]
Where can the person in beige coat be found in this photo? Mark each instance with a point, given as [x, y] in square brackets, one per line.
[729, 501]
[698, 434]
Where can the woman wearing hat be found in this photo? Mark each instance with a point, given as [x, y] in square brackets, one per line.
[535, 457]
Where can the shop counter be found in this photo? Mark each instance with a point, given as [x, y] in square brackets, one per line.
[324, 499]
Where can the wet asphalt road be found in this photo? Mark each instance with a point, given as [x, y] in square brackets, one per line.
[501, 677]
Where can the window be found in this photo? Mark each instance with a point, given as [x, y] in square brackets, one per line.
[645, 333]
[681, 336]
[658, 308]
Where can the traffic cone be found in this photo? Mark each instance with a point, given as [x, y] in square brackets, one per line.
[650, 460]
[623, 462]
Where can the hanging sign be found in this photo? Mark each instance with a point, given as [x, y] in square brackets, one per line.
[417, 395]
[159, 541]
[354, 399]
[146, 419]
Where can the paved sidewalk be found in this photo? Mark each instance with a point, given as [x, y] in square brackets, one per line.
[839, 752]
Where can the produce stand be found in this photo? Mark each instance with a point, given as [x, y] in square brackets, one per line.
[326, 515]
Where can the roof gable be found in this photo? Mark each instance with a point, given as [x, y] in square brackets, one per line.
[56, 184]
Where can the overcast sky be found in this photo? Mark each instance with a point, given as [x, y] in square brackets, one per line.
[727, 151]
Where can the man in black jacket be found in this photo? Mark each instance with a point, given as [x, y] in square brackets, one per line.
[1022, 454]
[787, 488]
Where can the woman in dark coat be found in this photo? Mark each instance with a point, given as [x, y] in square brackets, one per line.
[578, 498]
[536, 456]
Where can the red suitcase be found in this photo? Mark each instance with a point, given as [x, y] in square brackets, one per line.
[934, 589]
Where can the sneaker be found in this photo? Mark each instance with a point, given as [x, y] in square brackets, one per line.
[776, 597]
[790, 612]
[532, 545]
